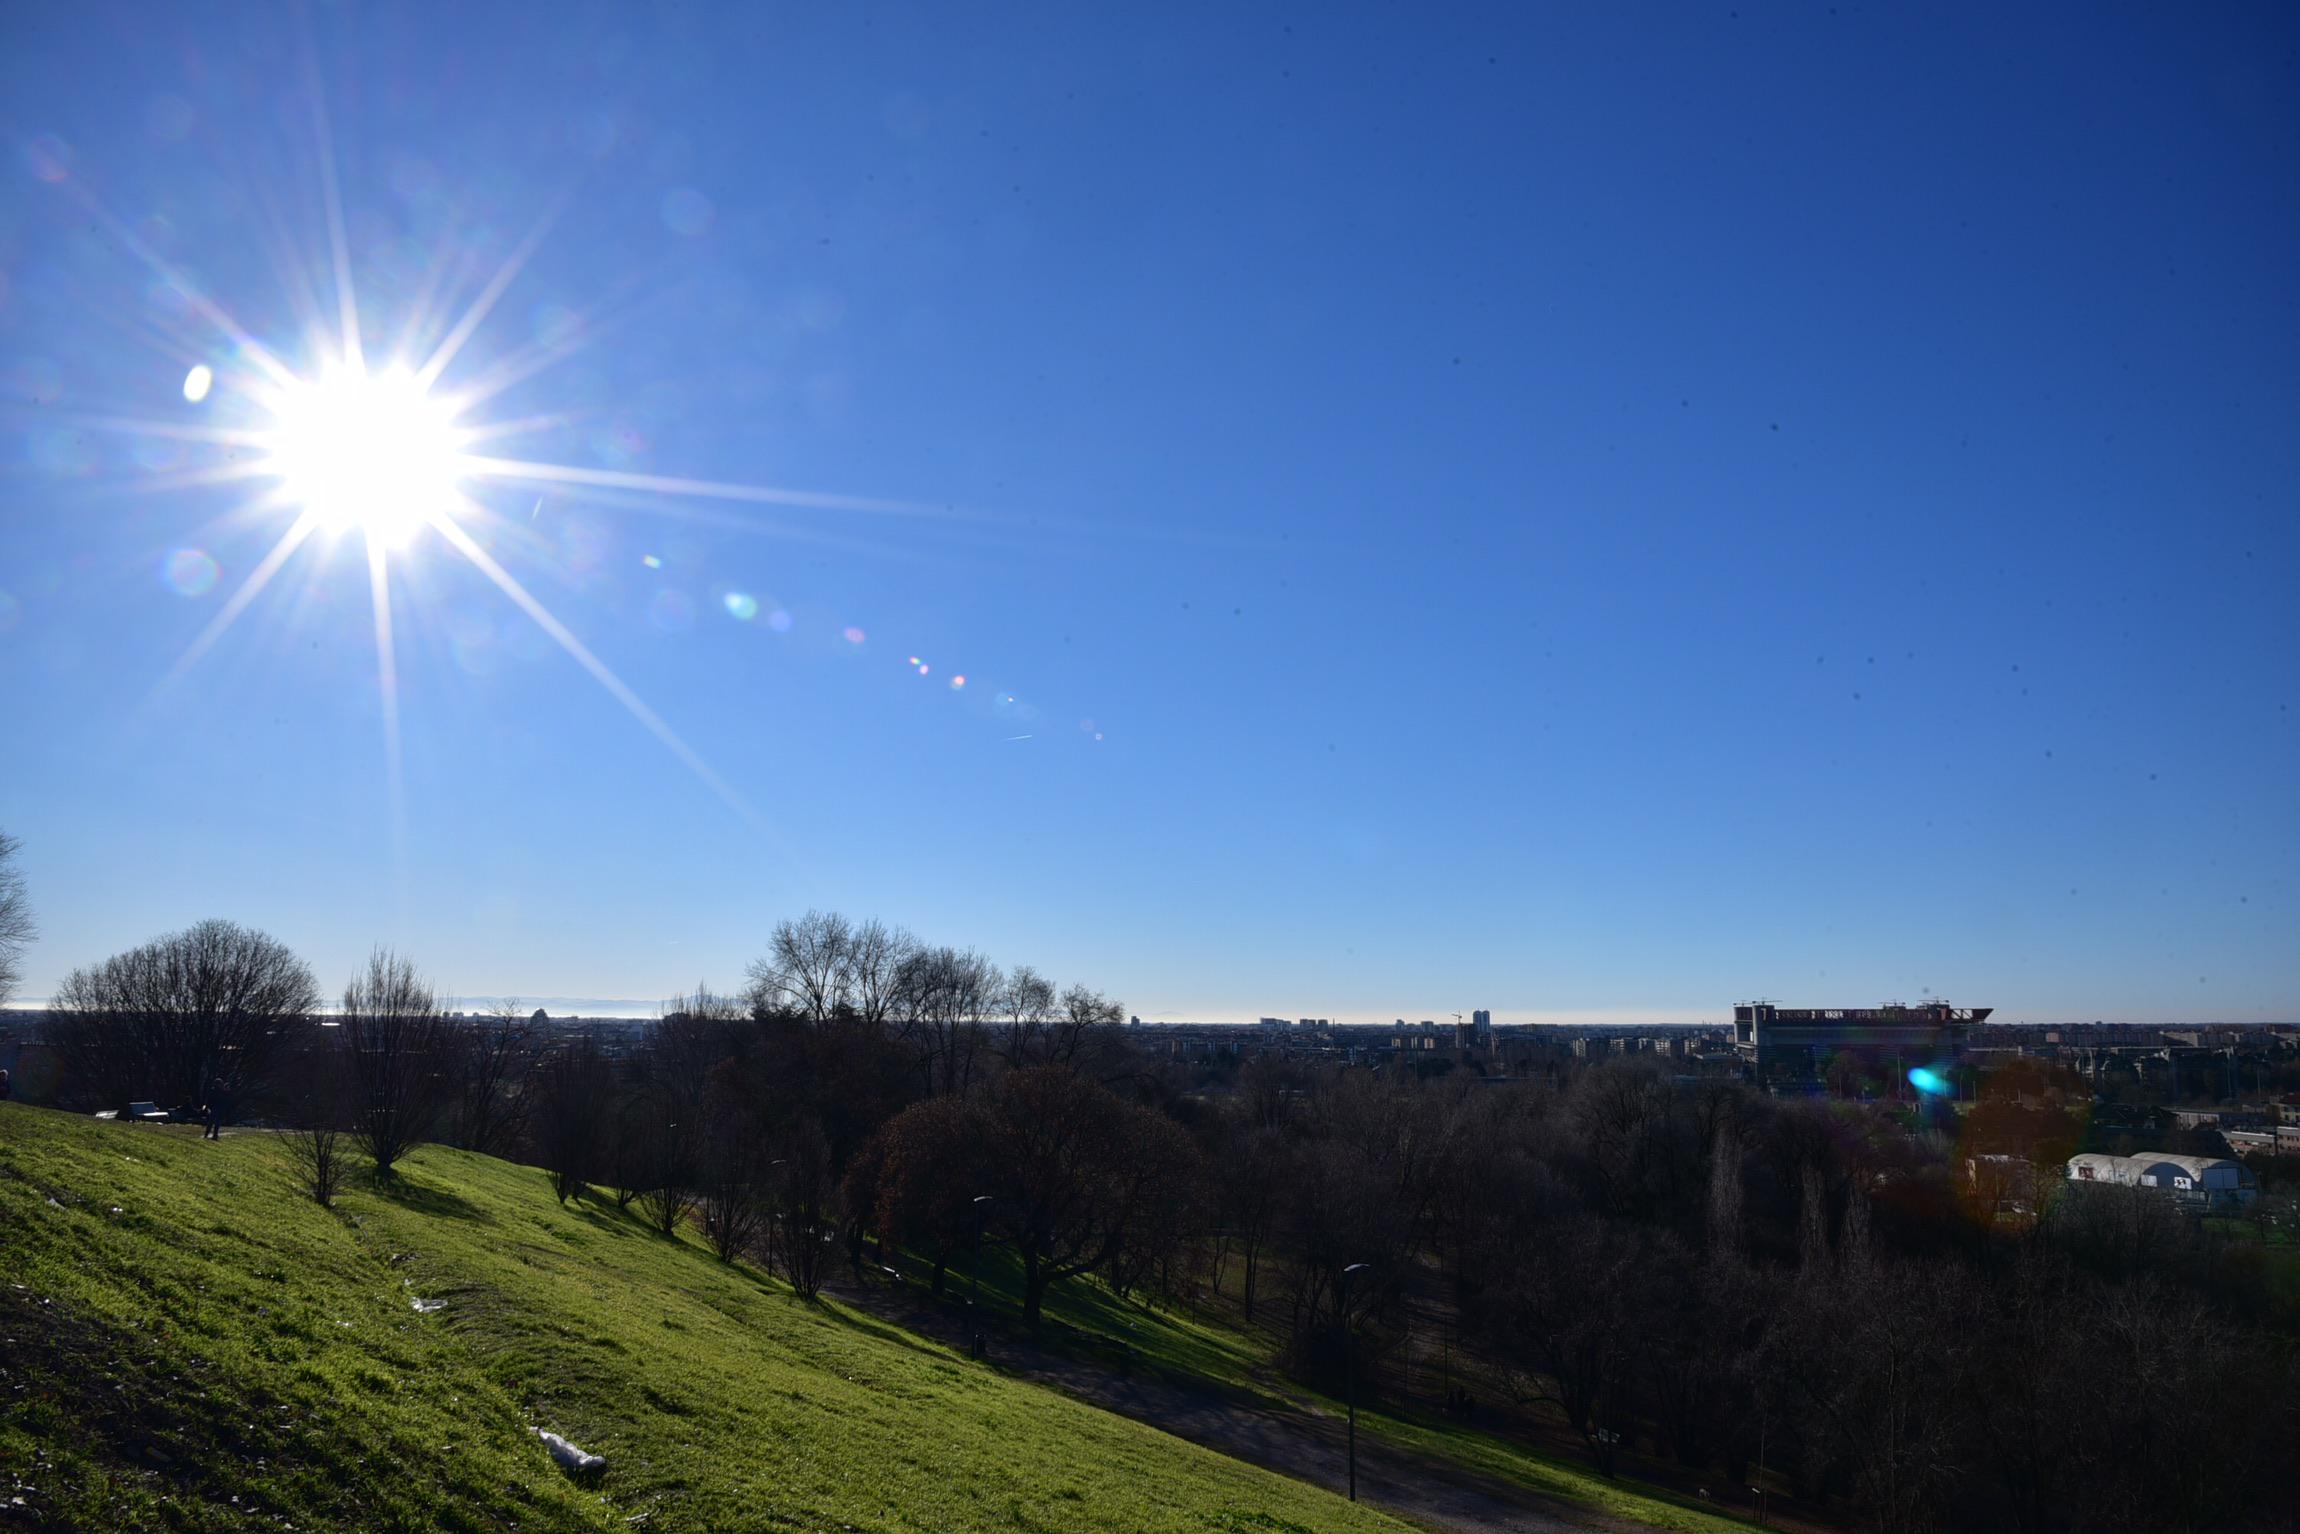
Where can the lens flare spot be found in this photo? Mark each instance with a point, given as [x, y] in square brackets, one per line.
[687, 212]
[1931, 1083]
[779, 621]
[671, 612]
[957, 682]
[854, 635]
[33, 381]
[198, 382]
[189, 572]
[49, 159]
[170, 118]
[741, 606]
[651, 561]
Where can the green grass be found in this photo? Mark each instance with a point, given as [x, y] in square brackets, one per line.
[1197, 1344]
[185, 1343]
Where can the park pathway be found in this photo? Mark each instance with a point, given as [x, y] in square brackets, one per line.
[1299, 1441]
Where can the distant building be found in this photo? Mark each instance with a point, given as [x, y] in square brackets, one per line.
[2200, 1182]
[1797, 1044]
[2282, 1140]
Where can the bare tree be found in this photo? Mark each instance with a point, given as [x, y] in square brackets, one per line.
[662, 1137]
[664, 1124]
[949, 995]
[316, 1112]
[1247, 1198]
[184, 1016]
[732, 1163]
[401, 1050]
[806, 1187]
[1026, 1006]
[493, 1066]
[1561, 1323]
[876, 954]
[574, 1117]
[1085, 1032]
[16, 929]
[808, 969]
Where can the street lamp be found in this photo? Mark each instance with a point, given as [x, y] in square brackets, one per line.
[974, 1279]
[775, 1213]
[1350, 1368]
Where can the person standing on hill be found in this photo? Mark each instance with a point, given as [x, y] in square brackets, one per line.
[3, 1085]
[219, 1109]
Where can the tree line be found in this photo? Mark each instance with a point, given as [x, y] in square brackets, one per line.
[1810, 1294]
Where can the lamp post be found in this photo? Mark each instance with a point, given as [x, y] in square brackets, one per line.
[775, 1213]
[974, 1279]
[1350, 1368]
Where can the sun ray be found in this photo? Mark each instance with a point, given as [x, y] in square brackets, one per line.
[522, 470]
[249, 347]
[331, 191]
[258, 578]
[520, 426]
[586, 328]
[453, 341]
[387, 687]
[436, 284]
[219, 436]
[290, 267]
[187, 479]
[509, 585]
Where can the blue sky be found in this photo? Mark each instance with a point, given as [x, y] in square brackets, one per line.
[1588, 515]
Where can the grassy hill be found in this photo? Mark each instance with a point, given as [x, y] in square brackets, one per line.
[187, 1343]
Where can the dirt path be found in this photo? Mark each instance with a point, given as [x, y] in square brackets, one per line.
[1305, 1444]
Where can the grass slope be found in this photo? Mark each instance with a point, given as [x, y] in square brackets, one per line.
[185, 1343]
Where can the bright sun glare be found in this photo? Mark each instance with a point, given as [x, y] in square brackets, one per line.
[372, 451]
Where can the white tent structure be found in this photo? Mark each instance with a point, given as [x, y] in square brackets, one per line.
[2207, 1182]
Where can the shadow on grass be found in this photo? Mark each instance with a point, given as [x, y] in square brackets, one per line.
[870, 1326]
[418, 1197]
[603, 1213]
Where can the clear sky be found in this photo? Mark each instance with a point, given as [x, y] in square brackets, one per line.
[1585, 511]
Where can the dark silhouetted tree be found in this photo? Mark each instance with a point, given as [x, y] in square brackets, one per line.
[493, 1064]
[574, 1124]
[316, 1113]
[211, 1008]
[16, 928]
[400, 1051]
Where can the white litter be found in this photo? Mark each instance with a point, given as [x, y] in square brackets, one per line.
[568, 1456]
[427, 1307]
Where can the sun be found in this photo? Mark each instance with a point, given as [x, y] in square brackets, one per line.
[375, 452]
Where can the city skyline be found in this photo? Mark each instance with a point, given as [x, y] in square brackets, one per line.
[1623, 518]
